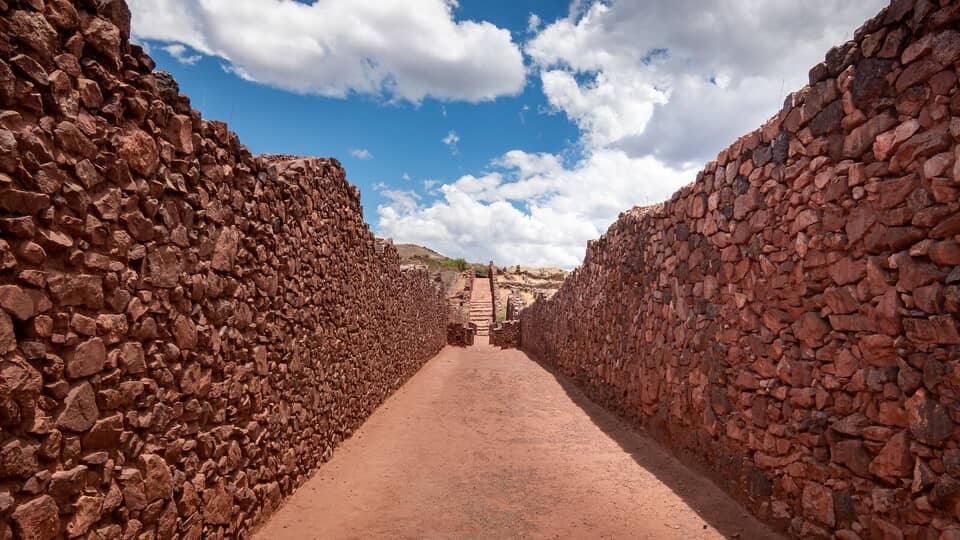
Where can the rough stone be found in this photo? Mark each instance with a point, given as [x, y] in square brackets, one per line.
[929, 421]
[87, 359]
[139, 150]
[87, 512]
[18, 459]
[894, 460]
[817, 502]
[79, 409]
[37, 519]
[217, 506]
[158, 481]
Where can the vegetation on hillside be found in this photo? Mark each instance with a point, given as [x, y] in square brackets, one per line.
[435, 262]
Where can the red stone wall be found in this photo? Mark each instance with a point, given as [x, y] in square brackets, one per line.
[506, 335]
[790, 318]
[494, 290]
[187, 331]
[514, 307]
[461, 334]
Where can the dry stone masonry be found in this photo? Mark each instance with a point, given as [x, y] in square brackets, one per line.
[494, 290]
[186, 330]
[506, 335]
[790, 318]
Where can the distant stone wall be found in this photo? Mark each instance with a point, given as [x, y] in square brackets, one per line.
[494, 291]
[187, 331]
[790, 319]
[461, 334]
[514, 307]
[506, 335]
[460, 304]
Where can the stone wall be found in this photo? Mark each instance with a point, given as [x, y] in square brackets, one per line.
[506, 335]
[790, 318]
[514, 307]
[187, 331]
[461, 334]
[494, 291]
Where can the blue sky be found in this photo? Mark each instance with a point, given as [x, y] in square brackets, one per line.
[563, 113]
[402, 138]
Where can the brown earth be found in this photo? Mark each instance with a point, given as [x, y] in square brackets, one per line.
[486, 443]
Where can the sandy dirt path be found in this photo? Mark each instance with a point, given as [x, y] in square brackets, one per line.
[484, 443]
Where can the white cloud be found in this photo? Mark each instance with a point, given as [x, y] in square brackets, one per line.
[451, 141]
[641, 76]
[361, 153]
[179, 53]
[533, 23]
[406, 177]
[608, 108]
[401, 200]
[398, 49]
[531, 209]
[657, 88]
[428, 184]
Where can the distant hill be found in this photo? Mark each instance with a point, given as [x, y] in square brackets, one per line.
[411, 251]
[414, 254]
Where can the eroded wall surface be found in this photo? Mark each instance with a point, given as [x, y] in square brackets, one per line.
[790, 318]
[186, 330]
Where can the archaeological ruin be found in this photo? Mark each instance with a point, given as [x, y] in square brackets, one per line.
[789, 320]
[188, 331]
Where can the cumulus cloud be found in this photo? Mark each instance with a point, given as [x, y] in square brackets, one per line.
[398, 49]
[361, 153]
[401, 200]
[529, 208]
[681, 79]
[179, 53]
[657, 88]
[609, 108]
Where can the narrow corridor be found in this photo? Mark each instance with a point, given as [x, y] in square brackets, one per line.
[485, 443]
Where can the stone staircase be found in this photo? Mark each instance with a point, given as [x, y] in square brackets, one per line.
[481, 314]
[481, 309]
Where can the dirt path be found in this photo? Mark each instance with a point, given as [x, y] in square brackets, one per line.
[484, 443]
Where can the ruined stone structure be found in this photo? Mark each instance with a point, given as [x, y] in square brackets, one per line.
[790, 318]
[460, 331]
[494, 290]
[461, 334]
[186, 330]
[514, 307]
[506, 335]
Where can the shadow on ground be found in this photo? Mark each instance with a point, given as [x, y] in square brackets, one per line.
[656, 458]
